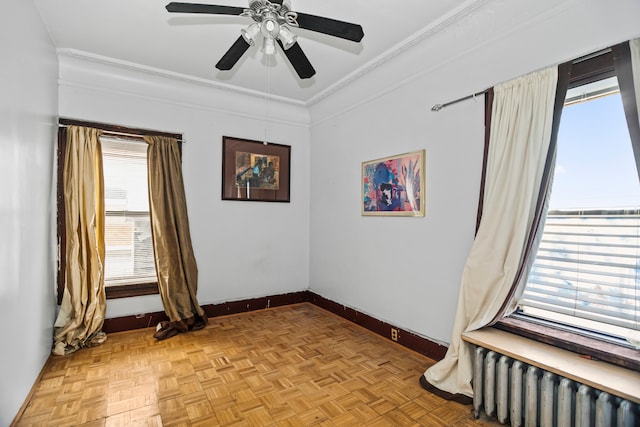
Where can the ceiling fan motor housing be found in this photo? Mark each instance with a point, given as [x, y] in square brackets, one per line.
[258, 5]
[260, 10]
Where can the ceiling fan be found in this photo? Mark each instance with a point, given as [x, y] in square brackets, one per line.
[273, 19]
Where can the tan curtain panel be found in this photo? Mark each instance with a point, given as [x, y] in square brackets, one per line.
[176, 266]
[83, 306]
[522, 118]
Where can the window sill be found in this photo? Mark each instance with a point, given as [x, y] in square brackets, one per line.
[581, 345]
[126, 291]
[603, 376]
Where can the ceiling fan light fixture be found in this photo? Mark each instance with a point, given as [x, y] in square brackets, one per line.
[270, 27]
[249, 34]
[287, 38]
[269, 46]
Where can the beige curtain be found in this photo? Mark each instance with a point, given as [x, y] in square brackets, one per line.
[175, 261]
[522, 118]
[83, 306]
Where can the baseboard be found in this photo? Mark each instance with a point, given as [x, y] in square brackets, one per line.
[405, 338]
[128, 323]
[235, 307]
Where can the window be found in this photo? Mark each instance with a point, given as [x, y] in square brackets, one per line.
[129, 257]
[586, 274]
[128, 245]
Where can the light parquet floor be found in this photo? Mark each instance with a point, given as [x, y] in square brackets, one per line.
[290, 366]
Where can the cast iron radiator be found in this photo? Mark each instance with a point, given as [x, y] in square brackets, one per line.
[522, 395]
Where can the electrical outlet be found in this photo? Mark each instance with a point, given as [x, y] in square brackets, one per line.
[394, 334]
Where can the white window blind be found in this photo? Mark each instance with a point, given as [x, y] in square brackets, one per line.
[129, 257]
[586, 272]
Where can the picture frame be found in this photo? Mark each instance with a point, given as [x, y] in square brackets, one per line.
[394, 185]
[255, 171]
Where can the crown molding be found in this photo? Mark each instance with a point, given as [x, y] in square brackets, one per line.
[456, 15]
[87, 56]
[275, 119]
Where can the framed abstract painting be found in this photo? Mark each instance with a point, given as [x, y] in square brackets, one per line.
[394, 186]
[255, 171]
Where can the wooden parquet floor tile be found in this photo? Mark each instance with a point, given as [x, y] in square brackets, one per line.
[289, 366]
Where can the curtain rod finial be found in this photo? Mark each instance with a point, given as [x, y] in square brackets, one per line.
[437, 107]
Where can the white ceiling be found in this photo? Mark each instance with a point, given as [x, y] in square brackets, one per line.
[144, 35]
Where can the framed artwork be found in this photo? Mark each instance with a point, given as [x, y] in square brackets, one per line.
[394, 186]
[255, 171]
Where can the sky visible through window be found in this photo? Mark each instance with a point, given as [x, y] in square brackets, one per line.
[595, 166]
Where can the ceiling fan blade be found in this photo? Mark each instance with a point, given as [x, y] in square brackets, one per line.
[233, 55]
[332, 27]
[203, 8]
[299, 60]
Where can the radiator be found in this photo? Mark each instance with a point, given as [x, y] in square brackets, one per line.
[522, 395]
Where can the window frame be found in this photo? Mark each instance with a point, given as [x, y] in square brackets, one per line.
[598, 66]
[116, 291]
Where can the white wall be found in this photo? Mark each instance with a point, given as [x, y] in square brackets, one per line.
[243, 249]
[28, 108]
[407, 270]
[402, 270]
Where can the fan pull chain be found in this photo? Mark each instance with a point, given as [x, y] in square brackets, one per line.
[267, 98]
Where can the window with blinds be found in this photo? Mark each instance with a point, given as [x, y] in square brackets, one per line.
[586, 273]
[129, 257]
[587, 268]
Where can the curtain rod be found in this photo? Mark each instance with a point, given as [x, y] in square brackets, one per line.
[439, 107]
[128, 134]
